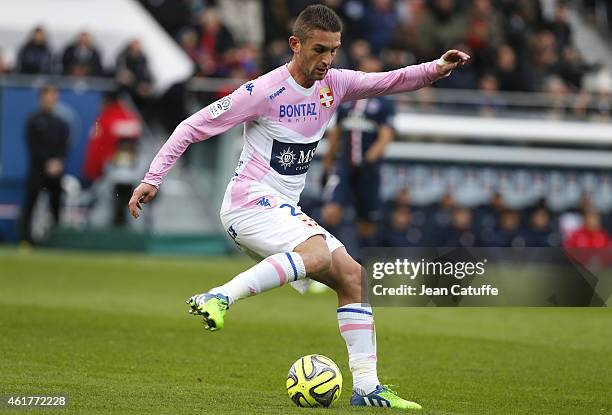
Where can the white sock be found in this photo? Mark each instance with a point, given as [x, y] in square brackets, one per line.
[272, 272]
[357, 328]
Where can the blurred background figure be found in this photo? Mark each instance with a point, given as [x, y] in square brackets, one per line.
[364, 129]
[47, 142]
[539, 232]
[116, 123]
[81, 58]
[35, 56]
[112, 149]
[134, 75]
[4, 68]
[591, 234]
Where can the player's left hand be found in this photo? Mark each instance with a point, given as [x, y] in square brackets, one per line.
[450, 60]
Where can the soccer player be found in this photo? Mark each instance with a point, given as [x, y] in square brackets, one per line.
[286, 112]
[363, 130]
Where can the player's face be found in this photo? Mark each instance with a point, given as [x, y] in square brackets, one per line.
[317, 53]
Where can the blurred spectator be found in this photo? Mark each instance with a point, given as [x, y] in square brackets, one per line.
[441, 213]
[510, 75]
[539, 233]
[488, 214]
[115, 123]
[560, 27]
[111, 154]
[484, 32]
[134, 75]
[442, 26]
[410, 15]
[379, 23]
[216, 44]
[559, 93]
[47, 142]
[403, 198]
[590, 235]
[506, 231]
[490, 100]
[572, 68]
[35, 56]
[3, 65]
[277, 53]
[188, 39]
[460, 232]
[399, 230]
[544, 56]
[81, 58]
[358, 50]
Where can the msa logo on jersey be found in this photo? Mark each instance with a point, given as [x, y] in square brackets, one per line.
[297, 110]
[219, 107]
[291, 159]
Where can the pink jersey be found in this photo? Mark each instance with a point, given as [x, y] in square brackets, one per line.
[283, 122]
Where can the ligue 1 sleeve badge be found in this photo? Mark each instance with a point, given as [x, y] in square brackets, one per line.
[326, 97]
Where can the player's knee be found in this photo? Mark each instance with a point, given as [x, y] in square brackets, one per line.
[315, 255]
[318, 263]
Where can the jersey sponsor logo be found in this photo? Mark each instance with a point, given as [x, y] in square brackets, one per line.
[326, 97]
[249, 87]
[277, 93]
[219, 107]
[297, 110]
[292, 159]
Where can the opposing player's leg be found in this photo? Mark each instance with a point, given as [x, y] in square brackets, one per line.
[368, 204]
[356, 323]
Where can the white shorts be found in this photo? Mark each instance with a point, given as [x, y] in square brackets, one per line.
[263, 223]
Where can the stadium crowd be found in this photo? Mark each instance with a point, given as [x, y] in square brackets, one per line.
[446, 223]
[515, 46]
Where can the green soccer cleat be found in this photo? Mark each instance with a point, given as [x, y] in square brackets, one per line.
[211, 307]
[383, 397]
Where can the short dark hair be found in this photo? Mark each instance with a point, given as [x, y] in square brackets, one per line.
[315, 17]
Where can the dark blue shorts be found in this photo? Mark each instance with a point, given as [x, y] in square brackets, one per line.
[359, 186]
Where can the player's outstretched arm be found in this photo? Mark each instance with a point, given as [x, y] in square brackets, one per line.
[353, 85]
[244, 104]
[143, 193]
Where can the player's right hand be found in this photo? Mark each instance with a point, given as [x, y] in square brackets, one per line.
[144, 193]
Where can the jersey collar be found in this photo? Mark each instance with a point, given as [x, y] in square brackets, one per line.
[297, 87]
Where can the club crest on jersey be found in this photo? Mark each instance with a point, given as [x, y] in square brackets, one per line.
[291, 159]
[326, 97]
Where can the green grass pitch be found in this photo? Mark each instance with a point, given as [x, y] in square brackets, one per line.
[112, 332]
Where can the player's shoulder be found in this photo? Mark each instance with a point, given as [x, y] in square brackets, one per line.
[264, 86]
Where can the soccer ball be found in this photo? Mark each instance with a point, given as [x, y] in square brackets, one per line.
[314, 381]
